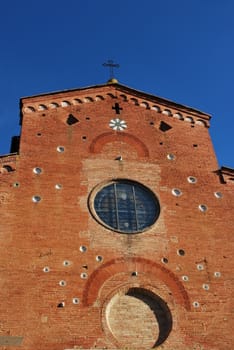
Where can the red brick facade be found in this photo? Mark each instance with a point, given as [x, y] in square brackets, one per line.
[68, 281]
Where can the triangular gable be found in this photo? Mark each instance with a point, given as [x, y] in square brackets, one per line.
[66, 98]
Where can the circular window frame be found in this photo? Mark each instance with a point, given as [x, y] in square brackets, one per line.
[106, 183]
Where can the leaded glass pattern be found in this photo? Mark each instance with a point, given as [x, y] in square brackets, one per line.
[126, 206]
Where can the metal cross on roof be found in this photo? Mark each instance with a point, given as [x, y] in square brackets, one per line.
[111, 66]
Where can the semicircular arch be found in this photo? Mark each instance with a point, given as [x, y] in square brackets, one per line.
[112, 267]
[101, 140]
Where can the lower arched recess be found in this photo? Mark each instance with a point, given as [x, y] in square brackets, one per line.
[138, 319]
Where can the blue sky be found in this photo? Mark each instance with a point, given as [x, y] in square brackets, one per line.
[182, 50]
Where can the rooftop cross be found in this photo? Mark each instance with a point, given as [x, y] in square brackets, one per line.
[111, 66]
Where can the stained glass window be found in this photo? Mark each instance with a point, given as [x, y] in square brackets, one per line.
[126, 206]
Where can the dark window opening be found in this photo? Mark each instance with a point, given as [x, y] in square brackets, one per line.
[15, 141]
[72, 120]
[8, 168]
[164, 126]
[134, 274]
[181, 252]
[61, 304]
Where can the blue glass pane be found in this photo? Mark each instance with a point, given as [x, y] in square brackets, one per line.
[147, 209]
[105, 206]
[126, 206]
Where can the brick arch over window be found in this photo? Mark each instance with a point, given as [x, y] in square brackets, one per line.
[115, 266]
[100, 141]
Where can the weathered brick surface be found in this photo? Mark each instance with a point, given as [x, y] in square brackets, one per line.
[40, 242]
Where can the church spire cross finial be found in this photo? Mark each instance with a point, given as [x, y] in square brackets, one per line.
[111, 65]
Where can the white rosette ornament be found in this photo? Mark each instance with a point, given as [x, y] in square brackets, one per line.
[117, 124]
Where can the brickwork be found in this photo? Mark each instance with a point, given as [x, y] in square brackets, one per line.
[70, 282]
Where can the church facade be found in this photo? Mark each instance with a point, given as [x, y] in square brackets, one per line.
[116, 226]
